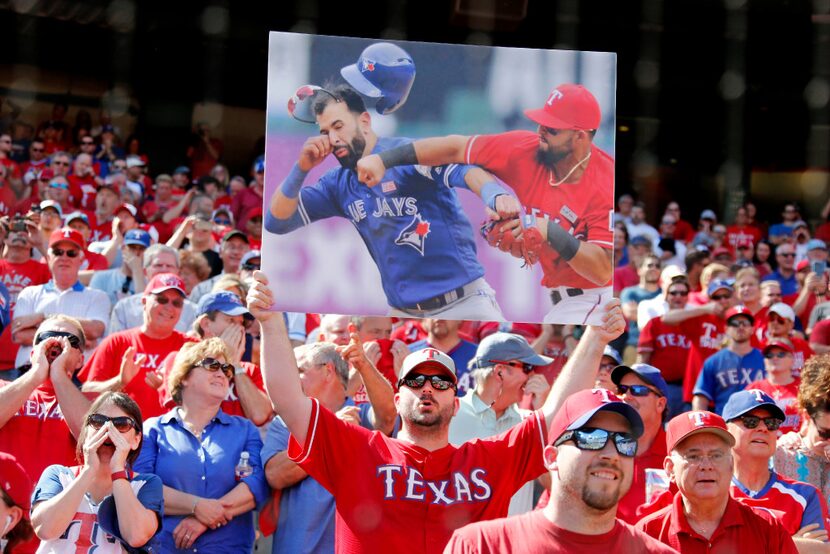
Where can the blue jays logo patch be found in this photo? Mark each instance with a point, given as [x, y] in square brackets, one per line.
[368, 65]
[414, 234]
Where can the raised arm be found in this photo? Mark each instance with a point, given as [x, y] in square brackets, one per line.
[378, 389]
[279, 367]
[580, 371]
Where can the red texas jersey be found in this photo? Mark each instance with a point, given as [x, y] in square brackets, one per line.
[584, 209]
[392, 496]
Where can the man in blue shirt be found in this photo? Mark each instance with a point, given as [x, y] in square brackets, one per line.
[779, 232]
[412, 223]
[731, 369]
[785, 274]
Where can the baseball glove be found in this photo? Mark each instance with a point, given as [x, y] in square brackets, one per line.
[527, 247]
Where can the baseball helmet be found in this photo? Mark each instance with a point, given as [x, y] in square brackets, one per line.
[383, 71]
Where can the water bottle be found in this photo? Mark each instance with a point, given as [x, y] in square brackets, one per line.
[243, 467]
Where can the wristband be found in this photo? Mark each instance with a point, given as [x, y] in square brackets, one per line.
[123, 474]
[193, 509]
[292, 184]
[239, 369]
[402, 155]
[562, 241]
[489, 191]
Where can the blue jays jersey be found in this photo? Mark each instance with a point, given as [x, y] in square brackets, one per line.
[412, 223]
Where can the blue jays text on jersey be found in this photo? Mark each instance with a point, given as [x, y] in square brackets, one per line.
[412, 224]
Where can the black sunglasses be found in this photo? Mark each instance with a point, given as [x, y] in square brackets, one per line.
[739, 323]
[418, 380]
[678, 293]
[74, 340]
[779, 354]
[214, 365]
[71, 252]
[636, 390]
[588, 438]
[527, 368]
[122, 424]
[721, 297]
[751, 422]
[163, 300]
[250, 266]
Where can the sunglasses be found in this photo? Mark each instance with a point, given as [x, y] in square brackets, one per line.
[122, 424]
[751, 422]
[787, 254]
[213, 365]
[58, 252]
[163, 300]
[739, 323]
[418, 380]
[527, 368]
[636, 390]
[250, 266]
[37, 149]
[722, 297]
[74, 340]
[67, 163]
[63, 186]
[775, 319]
[678, 293]
[779, 354]
[221, 221]
[588, 438]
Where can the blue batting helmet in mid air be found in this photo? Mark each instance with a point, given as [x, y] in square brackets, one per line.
[383, 71]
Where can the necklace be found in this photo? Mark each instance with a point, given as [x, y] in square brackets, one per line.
[553, 183]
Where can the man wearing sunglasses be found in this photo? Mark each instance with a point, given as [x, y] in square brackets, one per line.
[702, 516]
[63, 294]
[590, 460]
[131, 360]
[784, 274]
[731, 369]
[501, 370]
[753, 419]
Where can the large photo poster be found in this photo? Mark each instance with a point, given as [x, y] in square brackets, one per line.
[436, 180]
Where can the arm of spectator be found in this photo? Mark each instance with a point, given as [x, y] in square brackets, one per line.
[130, 366]
[255, 403]
[181, 232]
[644, 356]
[51, 517]
[137, 523]
[85, 276]
[279, 367]
[588, 354]
[673, 317]
[539, 343]
[282, 473]
[380, 392]
[25, 324]
[176, 211]
[810, 546]
[13, 395]
[239, 500]
[71, 400]
[93, 328]
[115, 243]
[700, 403]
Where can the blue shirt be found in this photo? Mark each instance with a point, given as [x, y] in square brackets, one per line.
[307, 510]
[635, 294]
[781, 230]
[206, 469]
[788, 285]
[725, 372]
[412, 224]
[5, 303]
[463, 352]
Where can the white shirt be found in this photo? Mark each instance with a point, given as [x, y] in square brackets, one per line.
[642, 229]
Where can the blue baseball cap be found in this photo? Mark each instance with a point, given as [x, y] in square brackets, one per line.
[816, 244]
[747, 400]
[639, 240]
[647, 373]
[507, 347]
[612, 353]
[138, 236]
[717, 285]
[223, 301]
[76, 215]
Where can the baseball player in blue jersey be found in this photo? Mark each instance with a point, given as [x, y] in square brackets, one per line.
[412, 223]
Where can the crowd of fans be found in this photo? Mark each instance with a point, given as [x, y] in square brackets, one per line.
[133, 406]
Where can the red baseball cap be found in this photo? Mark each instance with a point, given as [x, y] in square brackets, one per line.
[739, 310]
[580, 407]
[163, 282]
[255, 212]
[15, 482]
[685, 425]
[44, 174]
[66, 235]
[783, 344]
[129, 207]
[802, 265]
[568, 107]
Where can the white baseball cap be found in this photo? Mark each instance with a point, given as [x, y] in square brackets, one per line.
[783, 310]
[429, 357]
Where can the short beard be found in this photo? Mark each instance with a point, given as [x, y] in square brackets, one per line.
[356, 148]
[600, 501]
[548, 158]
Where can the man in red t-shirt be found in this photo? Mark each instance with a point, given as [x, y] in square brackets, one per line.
[83, 183]
[107, 200]
[587, 484]
[741, 232]
[562, 179]
[130, 360]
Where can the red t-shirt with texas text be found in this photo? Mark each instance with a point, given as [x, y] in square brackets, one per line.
[705, 333]
[382, 485]
[105, 363]
[669, 347]
[584, 209]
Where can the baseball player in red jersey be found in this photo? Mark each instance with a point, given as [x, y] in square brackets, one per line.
[564, 182]
[407, 494]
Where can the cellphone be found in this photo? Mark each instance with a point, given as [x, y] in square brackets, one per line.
[818, 267]
[19, 225]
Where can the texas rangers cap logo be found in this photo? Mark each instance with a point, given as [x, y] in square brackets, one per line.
[414, 234]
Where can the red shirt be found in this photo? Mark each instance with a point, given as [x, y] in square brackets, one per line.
[785, 398]
[383, 485]
[83, 190]
[94, 261]
[533, 533]
[737, 233]
[624, 277]
[37, 435]
[584, 209]
[16, 277]
[705, 334]
[741, 529]
[684, 232]
[411, 331]
[105, 363]
[8, 200]
[101, 230]
[821, 333]
[636, 495]
[668, 345]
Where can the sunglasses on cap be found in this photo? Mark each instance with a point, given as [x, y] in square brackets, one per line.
[70, 252]
[122, 424]
[418, 380]
[751, 422]
[213, 365]
[74, 340]
[527, 368]
[636, 390]
[163, 300]
[588, 438]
